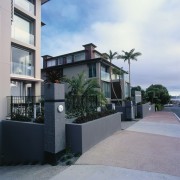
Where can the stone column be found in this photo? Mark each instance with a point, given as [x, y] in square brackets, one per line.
[54, 125]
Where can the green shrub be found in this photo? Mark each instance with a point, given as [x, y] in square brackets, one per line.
[91, 117]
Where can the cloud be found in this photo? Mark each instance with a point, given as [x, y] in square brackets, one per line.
[149, 26]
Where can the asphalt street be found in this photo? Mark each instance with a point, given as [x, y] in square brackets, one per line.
[174, 109]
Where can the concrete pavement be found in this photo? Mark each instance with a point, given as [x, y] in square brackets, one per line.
[149, 149]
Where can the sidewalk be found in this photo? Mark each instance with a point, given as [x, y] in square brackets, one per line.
[148, 150]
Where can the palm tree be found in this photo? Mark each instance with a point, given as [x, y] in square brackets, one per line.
[112, 56]
[128, 56]
[83, 94]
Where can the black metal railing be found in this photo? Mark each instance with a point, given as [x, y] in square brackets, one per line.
[79, 105]
[25, 108]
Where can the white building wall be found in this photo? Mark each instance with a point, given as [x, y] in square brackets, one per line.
[5, 34]
[5, 44]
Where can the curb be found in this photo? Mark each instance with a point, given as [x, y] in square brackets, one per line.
[177, 117]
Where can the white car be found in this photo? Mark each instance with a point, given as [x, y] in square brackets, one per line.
[168, 105]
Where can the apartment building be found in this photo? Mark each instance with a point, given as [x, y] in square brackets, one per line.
[20, 33]
[94, 64]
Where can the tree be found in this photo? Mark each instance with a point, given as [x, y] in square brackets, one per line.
[83, 95]
[128, 56]
[111, 56]
[157, 94]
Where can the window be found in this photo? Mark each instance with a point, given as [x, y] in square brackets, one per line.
[22, 62]
[60, 61]
[69, 59]
[23, 30]
[27, 5]
[51, 63]
[79, 57]
[92, 70]
[106, 89]
[105, 75]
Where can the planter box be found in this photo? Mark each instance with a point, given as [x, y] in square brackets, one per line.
[81, 137]
[22, 142]
[145, 109]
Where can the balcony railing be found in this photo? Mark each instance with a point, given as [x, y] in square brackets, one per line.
[21, 35]
[25, 108]
[105, 76]
[21, 69]
[26, 5]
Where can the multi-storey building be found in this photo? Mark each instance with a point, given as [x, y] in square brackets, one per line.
[20, 33]
[20, 44]
[94, 64]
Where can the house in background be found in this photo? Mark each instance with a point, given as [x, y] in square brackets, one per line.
[20, 44]
[94, 64]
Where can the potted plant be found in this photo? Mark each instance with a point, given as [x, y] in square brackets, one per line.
[53, 76]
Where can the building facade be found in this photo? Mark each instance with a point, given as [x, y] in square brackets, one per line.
[20, 33]
[94, 65]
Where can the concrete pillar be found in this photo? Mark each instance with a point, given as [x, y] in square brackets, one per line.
[54, 129]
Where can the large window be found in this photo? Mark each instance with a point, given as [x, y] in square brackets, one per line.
[51, 63]
[69, 59]
[60, 61]
[22, 62]
[106, 89]
[105, 76]
[27, 5]
[92, 70]
[79, 57]
[23, 30]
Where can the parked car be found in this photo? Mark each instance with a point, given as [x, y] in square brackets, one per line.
[168, 105]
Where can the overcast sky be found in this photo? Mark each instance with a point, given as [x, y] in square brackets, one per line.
[152, 27]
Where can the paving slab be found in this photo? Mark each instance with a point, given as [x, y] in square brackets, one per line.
[162, 117]
[30, 172]
[97, 172]
[165, 129]
[138, 151]
[148, 150]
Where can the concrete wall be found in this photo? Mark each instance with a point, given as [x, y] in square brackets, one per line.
[22, 142]
[145, 109]
[81, 137]
[123, 111]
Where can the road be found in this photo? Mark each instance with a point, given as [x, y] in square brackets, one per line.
[175, 109]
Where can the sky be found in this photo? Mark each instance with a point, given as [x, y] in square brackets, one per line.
[152, 27]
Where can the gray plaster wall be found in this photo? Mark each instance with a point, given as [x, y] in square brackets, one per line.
[123, 111]
[81, 137]
[22, 142]
[145, 109]
[54, 130]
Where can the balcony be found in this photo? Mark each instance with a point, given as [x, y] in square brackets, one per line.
[22, 36]
[105, 76]
[21, 69]
[26, 5]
